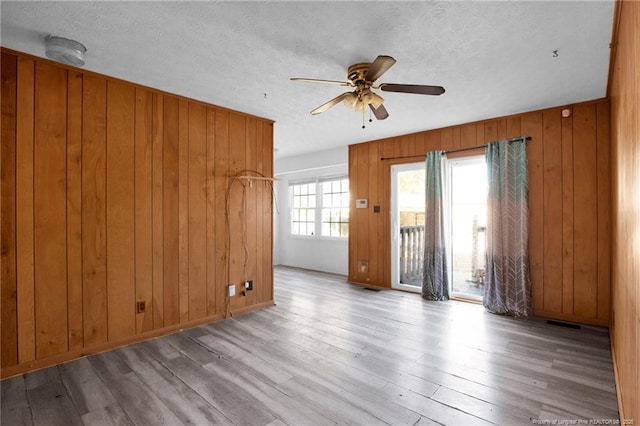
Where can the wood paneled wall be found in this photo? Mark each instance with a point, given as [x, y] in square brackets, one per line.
[569, 201]
[112, 194]
[625, 123]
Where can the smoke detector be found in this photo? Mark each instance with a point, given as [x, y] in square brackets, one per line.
[63, 50]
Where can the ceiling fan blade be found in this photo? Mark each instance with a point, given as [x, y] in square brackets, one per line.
[315, 80]
[412, 88]
[332, 102]
[378, 67]
[380, 112]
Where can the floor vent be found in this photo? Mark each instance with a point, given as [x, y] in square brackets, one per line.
[371, 289]
[563, 324]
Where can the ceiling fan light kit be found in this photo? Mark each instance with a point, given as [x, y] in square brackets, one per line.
[64, 50]
[362, 77]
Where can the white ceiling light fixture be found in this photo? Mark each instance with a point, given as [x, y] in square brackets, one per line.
[64, 50]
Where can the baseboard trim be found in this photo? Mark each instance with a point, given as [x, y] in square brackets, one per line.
[29, 366]
[571, 318]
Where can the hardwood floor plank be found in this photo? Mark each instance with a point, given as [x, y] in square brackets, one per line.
[111, 415]
[108, 365]
[324, 401]
[40, 377]
[429, 408]
[287, 410]
[264, 370]
[86, 389]
[140, 404]
[16, 414]
[234, 403]
[14, 406]
[181, 399]
[51, 405]
[479, 408]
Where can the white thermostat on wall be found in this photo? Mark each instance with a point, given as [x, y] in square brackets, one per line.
[361, 203]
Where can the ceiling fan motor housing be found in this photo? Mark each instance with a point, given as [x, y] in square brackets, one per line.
[356, 73]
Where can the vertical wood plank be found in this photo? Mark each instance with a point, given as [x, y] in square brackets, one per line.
[236, 211]
[250, 227]
[183, 209]
[480, 140]
[567, 215]
[396, 146]
[143, 165]
[421, 143]
[197, 218]
[263, 199]
[457, 135]
[405, 144]
[374, 223]
[221, 161]
[552, 210]
[384, 180]
[532, 126]
[514, 127]
[211, 212]
[8, 305]
[267, 230]
[365, 250]
[74, 209]
[491, 131]
[446, 139]
[24, 209]
[120, 211]
[413, 144]
[50, 229]
[353, 221]
[94, 250]
[467, 136]
[157, 212]
[170, 210]
[603, 153]
[501, 125]
[586, 212]
[433, 141]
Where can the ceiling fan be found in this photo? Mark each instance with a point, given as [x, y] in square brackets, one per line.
[362, 77]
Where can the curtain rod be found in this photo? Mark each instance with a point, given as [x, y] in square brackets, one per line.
[527, 138]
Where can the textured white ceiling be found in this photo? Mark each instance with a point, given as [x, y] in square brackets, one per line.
[494, 58]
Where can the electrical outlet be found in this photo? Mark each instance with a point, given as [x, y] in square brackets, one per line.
[231, 290]
[248, 285]
[140, 307]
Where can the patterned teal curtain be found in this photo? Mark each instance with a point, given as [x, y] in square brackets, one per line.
[435, 284]
[507, 288]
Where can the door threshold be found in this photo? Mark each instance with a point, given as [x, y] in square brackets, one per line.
[462, 298]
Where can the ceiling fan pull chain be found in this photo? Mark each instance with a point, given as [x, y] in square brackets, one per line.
[363, 118]
[370, 120]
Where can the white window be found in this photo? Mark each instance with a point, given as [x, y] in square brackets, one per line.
[335, 208]
[320, 207]
[303, 208]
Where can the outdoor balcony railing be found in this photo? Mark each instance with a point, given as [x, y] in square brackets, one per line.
[411, 254]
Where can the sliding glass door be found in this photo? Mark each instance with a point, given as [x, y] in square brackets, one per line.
[465, 212]
[466, 187]
[407, 224]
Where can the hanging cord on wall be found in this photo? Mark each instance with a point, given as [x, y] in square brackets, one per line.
[244, 178]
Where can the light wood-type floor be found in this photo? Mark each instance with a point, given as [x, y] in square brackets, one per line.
[334, 353]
